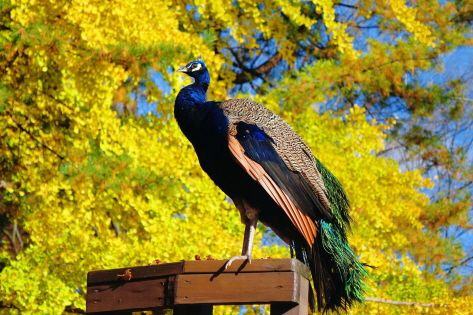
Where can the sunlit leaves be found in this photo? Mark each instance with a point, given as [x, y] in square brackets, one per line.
[86, 184]
[407, 16]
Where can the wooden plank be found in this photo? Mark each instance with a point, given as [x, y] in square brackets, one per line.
[195, 309]
[127, 296]
[243, 288]
[256, 265]
[264, 281]
[138, 273]
[197, 266]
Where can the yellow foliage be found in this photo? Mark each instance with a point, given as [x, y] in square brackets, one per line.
[407, 15]
[93, 186]
[338, 30]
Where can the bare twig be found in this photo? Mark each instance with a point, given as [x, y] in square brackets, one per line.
[16, 232]
[15, 238]
[461, 263]
[11, 238]
[115, 227]
[350, 6]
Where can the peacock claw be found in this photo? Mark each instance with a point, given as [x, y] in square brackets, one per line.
[232, 259]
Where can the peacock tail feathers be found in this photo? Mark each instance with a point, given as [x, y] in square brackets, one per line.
[350, 269]
[334, 241]
[339, 203]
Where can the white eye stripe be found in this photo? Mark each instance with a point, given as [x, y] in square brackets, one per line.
[197, 67]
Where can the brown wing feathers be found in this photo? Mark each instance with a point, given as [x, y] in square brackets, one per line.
[290, 147]
[301, 221]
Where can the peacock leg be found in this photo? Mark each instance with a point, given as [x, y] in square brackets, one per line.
[250, 229]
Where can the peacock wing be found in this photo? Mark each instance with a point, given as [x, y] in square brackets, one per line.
[253, 151]
[296, 155]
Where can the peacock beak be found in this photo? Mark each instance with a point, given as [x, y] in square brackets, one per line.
[182, 69]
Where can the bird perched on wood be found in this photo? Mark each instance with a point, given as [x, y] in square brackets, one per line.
[271, 176]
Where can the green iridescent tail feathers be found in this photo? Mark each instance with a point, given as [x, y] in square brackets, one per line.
[338, 273]
[349, 267]
[337, 197]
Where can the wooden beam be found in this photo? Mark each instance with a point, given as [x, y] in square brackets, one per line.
[257, 265]
[300, 308]
[244, 288]
[194, 286]
[137, 273]
[130, 296]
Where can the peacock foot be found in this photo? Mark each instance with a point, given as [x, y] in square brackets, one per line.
[232, 259]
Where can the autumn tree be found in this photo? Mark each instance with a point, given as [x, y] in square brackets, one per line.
[89, 180]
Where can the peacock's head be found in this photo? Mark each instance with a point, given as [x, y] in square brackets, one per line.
[195, 69]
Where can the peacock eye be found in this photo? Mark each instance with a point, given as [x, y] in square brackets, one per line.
[196, 67]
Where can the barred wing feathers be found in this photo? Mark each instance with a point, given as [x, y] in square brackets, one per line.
[288, 146]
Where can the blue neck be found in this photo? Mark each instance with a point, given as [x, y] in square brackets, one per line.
[192, 95]
[187, 108]
[196, 93]
[203, 79]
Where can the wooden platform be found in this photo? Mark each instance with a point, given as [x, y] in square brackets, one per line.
[193, 287]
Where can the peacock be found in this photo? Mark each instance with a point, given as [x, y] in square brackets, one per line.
[272, 176]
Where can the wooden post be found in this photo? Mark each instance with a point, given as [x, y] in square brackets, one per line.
[301, 308]
[193, 287]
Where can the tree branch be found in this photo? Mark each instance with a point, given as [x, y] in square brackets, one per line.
[350, 6]
[461, 263]
[11, 238]
[36, 139]
[249, 74]
[15, 238]
[403, 303]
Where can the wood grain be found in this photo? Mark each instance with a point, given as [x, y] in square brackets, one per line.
[197, 285]
[300, 308]
[134, 295]
[244, 288]
[138, 273]
[256, 265]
